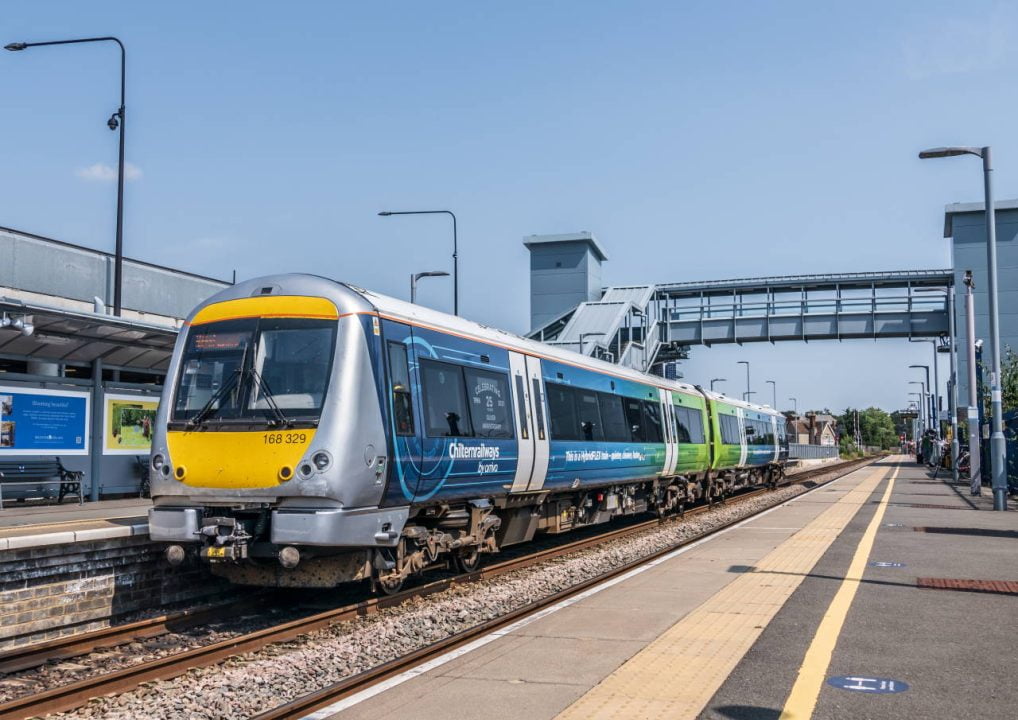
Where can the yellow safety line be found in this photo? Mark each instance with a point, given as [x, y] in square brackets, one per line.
[803, 698]
[677, 674]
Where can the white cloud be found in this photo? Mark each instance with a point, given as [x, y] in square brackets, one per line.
[101, 172]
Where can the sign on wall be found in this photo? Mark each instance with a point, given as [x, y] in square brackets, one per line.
[43, 422]
[128, 421]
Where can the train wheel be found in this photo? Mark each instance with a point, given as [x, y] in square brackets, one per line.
[467, 561]
[390, 586]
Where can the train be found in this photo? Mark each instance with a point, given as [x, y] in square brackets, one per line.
[313, 433]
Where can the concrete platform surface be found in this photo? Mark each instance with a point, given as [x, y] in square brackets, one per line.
[723, 629]
[32, 525]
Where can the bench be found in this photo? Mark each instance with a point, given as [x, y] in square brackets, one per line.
[41, 472]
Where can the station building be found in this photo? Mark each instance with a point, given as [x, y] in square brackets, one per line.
[76, 382]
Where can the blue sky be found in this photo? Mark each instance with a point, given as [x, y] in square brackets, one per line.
[696, 140]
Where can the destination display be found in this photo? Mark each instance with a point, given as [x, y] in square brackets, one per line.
[43, 422]
[128, 421]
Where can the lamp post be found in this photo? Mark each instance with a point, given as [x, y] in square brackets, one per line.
[925, 414]
[975, 452]
[714, 380]
[930, 412]
[998, 447]
[935, 387]
[417, 276]
[117, 120]
[747, 393]
[774, 389]
[455, 249]
[795, 405]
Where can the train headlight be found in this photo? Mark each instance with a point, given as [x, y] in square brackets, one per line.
[157, 462]
[321, 460]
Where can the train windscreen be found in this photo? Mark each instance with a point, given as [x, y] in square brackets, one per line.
[273, 370]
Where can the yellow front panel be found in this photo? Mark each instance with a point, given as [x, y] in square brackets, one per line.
[237, 460]
[268, 306]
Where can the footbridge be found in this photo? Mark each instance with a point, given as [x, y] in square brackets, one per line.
[648, 326]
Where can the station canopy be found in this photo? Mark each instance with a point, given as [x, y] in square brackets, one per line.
[74, 336]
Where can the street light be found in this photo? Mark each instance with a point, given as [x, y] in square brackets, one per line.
[926, 408]
[998, 447]
[952, 383]
[455, 249]
[746, 363]
[932, 412]
[417, 276]
[117, 120]
[714, 380]
[747, 394]
[795, 405]
[774, 388]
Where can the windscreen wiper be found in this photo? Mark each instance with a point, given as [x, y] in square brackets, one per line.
[279, 417]
[207, 408]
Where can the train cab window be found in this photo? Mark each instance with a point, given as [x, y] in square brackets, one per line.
[634, 417]
[399, 378]
[488, 393]
[613, 418]
[446, 412]
[681, 416]
[565, 424]
[652, 414]
[591, 428]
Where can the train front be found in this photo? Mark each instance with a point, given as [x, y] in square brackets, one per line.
[269, 456]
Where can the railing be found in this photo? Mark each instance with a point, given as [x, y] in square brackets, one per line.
[711, 307]
[803, 451]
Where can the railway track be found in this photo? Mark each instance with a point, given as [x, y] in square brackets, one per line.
[75, 694]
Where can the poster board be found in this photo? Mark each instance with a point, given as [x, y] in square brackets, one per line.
[128, 423]
[34, 421]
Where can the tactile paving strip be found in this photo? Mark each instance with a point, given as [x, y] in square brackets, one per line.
[1002, 587]
[678, 673]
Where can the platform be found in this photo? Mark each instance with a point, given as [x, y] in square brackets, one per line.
[813, 609]
[33, 525]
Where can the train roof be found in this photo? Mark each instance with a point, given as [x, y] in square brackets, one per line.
[346, 297]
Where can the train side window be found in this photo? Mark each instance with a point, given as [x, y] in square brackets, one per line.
[446, 412]
[652, 412]
[399, 377]
[634, 417]
[681, 416]
[537, 397]
[562, 410]
[730, 430]
[694, 425]
[488, 393]
[613, 418]
[591, 428]
[521, 408]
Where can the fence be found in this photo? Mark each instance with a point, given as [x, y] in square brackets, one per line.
[803, 451]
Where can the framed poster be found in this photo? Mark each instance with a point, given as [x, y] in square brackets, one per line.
[34, 421]
[128, 422]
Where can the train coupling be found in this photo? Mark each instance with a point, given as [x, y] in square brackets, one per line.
[224, 540]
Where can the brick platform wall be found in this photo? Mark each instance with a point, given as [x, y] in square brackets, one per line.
[57, 590]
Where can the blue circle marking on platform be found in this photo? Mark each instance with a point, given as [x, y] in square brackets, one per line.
[881, 563]
[877, 686]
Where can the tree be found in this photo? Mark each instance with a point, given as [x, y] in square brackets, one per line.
[1009, 380]
[875, 427]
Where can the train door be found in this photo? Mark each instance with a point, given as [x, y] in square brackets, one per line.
[671, 435]
[524, 421]
[532, 432]
[743, 438]
[402, 395]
